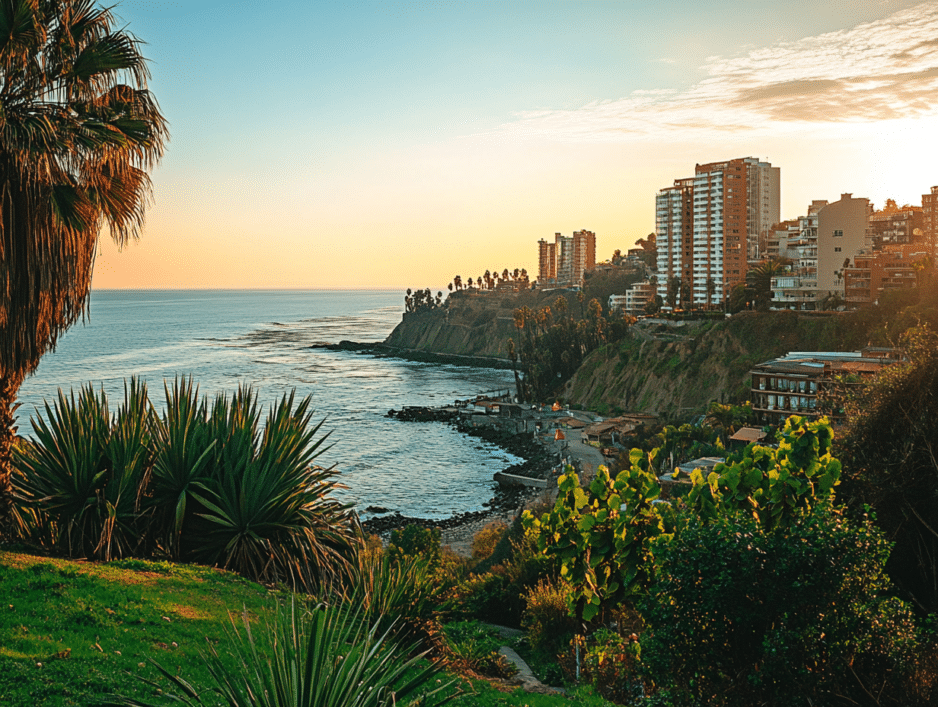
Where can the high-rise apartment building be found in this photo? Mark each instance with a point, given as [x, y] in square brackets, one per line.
[930, 222]
[546, 261]
[710, 226]
[564, 261]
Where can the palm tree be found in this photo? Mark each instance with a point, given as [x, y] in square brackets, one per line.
[79, 132]
[759, 280]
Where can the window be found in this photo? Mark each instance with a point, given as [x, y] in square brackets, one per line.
[837, 250]
[838, 233]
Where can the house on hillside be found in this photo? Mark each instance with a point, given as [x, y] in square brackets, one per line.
[810, 383]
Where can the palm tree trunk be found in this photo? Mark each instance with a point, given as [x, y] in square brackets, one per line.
[8, 388]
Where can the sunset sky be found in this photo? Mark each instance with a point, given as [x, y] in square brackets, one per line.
[358, 144]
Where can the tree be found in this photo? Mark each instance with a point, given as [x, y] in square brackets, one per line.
[890, 453]
[759, 281]
[78, 133]
[674, 290]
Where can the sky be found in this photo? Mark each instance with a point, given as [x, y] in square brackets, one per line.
[392, 145]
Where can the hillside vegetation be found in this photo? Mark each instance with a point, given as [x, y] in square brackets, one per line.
[680, 369]
[479, 324]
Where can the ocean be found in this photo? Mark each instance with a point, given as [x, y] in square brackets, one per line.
[263, 338]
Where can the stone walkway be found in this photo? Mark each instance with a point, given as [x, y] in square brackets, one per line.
[525, 677]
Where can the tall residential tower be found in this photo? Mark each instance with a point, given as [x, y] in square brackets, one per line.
[712, 225]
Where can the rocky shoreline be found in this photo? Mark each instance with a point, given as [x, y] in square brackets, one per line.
[537, 463]
[379, 349]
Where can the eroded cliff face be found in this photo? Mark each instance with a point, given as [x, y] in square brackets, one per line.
[680, 370]
[470, 325]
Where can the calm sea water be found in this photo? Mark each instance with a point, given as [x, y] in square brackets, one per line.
[263, 338]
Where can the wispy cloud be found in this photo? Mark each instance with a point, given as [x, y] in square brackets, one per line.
[876, 71]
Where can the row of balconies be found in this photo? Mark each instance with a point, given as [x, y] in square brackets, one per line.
[795, 403]
[800, 385]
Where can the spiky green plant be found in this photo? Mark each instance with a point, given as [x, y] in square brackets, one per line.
[329, 656]
[183, 444]
[269, 513]
[403, 591]
[85, 471]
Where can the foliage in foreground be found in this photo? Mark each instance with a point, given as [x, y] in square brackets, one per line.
[95, 629]
[890, 453]
[201, 482]
[326, 656]
[601, 534]
[75, 633]
[741, 614]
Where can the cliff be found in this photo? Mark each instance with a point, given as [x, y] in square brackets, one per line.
[471, 324]
[679, 368]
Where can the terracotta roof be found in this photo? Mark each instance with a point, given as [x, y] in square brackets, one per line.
[571, 422]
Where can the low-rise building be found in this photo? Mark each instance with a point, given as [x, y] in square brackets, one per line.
[895, 267]
[801, 383]
[634, 300]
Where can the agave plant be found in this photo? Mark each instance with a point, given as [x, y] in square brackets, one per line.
[269, 512]
[183, 444]
[330, 656]
[400, 591]
[85, 472]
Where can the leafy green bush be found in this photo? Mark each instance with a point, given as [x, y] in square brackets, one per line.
[601, 535]
[742, 614]
[772, 483]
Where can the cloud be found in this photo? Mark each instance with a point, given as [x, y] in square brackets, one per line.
[882, 70]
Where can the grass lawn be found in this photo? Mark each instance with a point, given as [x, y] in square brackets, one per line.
[75, 633]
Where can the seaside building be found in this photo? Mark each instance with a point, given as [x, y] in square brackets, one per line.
[547, 261]
[895, 226]
[930, 222]
[710, 226]
[820, 246]
[894, 267]
[810, 383]
[563, 262]
[634, 300]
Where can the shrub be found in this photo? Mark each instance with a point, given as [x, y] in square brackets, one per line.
[548, 624]
[485, 541]
[197, 483]
[611, 664]
[600, 535]
[741, 614]
[471, 645]
[416, 541]
[82, 479]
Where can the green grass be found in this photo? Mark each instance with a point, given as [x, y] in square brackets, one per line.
[77, 633]
[93, 628]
